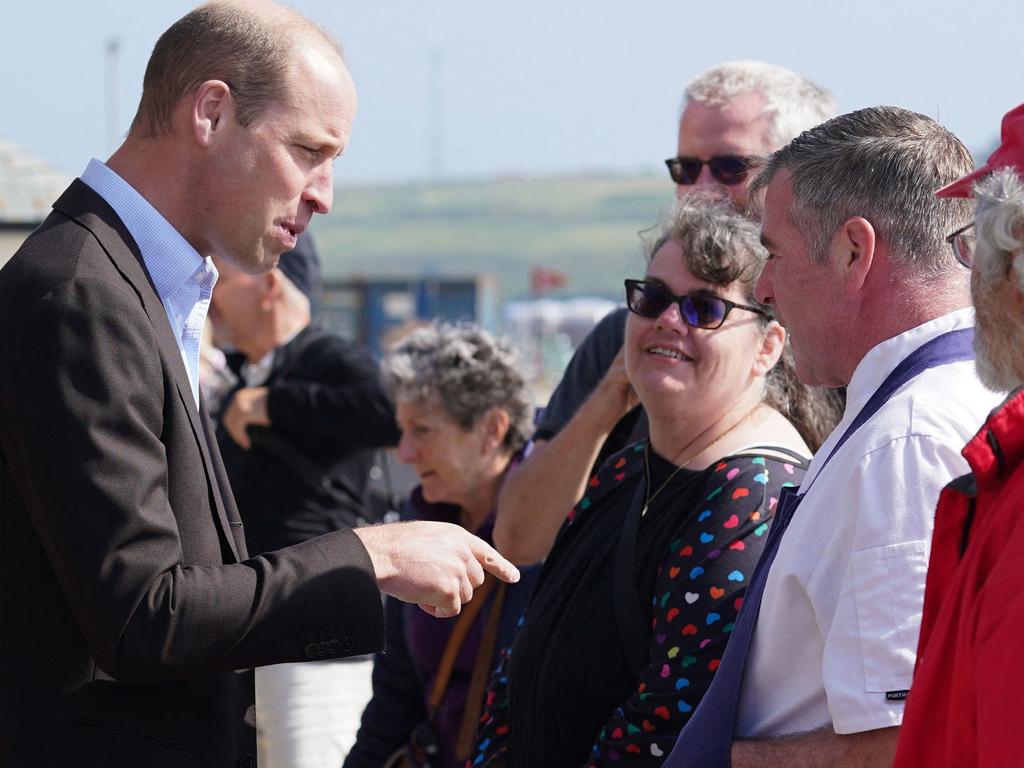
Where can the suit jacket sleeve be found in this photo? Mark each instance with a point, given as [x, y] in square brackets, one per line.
[94, 400]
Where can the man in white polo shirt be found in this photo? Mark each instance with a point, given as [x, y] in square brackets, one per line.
[861, 276]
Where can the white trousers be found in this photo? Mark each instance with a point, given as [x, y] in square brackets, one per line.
[307, 714]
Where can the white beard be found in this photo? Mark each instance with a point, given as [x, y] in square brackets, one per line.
[999, 375]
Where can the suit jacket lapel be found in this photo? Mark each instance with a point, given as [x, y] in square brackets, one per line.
[223, 483]
[81, 203]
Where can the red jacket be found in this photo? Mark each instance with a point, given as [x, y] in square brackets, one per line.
[967, 702]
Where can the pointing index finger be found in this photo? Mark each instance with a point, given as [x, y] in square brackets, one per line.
[493, 562]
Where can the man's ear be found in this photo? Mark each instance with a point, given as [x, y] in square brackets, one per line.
[212, 108]
[854, 250]
[772, 343]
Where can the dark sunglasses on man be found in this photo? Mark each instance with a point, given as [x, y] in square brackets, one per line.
[725, 169]
[698, 310]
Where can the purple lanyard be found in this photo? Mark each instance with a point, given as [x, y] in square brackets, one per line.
[706, 741]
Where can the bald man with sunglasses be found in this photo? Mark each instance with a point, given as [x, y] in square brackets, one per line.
[732, 114]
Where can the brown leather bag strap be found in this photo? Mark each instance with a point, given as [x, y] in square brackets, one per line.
[451, 649]
[478, 681]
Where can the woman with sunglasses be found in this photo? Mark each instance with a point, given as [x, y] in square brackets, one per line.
[639, 593]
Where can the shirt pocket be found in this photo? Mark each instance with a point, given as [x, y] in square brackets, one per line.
[889, 593]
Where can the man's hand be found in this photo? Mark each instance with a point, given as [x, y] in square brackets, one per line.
[437, 565]
[247, 407]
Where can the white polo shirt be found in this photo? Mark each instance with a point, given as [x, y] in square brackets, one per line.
[841, 612]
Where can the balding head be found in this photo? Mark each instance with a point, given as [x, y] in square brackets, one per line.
[249, 46]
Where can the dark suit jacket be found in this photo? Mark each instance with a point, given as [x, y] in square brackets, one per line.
[127, 600]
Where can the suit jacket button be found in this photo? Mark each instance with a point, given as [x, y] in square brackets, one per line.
[311, 650]
[346, 644]
[247, 761]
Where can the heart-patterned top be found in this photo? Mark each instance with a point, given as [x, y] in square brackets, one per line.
[565, 694]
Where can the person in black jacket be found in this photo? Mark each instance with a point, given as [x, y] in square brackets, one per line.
[298, 435]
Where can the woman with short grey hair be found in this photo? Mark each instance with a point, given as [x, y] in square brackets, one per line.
[465, 413]
[466, 371]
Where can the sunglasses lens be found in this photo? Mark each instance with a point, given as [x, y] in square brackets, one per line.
[703, 311]
[647, 299]
[728, 169]
[684, 170]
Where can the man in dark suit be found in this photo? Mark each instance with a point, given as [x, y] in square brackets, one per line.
[127, 595]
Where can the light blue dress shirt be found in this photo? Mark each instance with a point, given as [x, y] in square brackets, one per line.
[184, 280]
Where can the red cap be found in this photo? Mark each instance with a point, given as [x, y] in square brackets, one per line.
[1009, 154]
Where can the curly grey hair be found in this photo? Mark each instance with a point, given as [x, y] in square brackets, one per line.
[722, 247]
[467, 371]
[793, 102]
[999, 219]
[884, 164]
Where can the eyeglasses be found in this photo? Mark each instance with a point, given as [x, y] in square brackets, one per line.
[963, 241]
[698, 310]
[726, 169]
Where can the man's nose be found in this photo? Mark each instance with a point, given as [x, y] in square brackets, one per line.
[705, 178]
[320, 189]
[763, 289]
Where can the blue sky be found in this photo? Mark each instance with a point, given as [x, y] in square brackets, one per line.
[531, 87]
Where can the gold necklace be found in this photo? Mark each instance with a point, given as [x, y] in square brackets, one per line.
[647, 464]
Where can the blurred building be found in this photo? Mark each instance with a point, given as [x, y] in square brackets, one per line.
[28, 187]
[374, 311]
[547, 331]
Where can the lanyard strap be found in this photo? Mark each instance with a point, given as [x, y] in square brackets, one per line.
[950, 347]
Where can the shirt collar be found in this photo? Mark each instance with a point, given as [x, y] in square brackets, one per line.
[256, 374]
[169, 258]
[882, 359]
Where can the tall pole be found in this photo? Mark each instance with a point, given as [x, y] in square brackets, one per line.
[436, 169]
[113, 50]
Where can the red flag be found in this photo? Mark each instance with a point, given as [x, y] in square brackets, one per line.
[544, 279]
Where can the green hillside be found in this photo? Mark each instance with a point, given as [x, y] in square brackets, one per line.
[585, 226]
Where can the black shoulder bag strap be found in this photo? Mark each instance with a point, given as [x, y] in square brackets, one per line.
[629, 617]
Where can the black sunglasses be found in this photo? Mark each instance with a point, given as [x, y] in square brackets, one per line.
[726, 169]
[698, 310]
